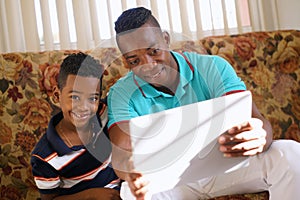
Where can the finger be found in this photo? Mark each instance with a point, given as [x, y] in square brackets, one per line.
[239, 128]
[243, 146]
[252, 144]
[253, 151]
[250, 135]
[134, 175]
[226, 139]
[254, 131]
[229, 136]
[137, 184]
[256, 123]
[249, 125]
[140, 193]
[133, 185]
[244, 149]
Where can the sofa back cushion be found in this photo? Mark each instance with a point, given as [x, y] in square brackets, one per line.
[269, 63]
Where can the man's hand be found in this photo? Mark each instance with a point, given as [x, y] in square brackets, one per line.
[137, 185]
[246, 139]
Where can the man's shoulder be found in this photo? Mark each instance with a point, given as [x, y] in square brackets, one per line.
[124, 81]
[125, 85]
[205, 61]
[192, 56]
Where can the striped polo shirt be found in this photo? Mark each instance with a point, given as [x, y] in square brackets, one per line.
[59, 169]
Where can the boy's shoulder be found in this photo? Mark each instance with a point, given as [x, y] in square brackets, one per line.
[43, 148]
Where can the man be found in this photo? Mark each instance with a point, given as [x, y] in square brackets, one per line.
[161, 79]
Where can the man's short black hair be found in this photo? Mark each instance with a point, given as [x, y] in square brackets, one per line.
[80, 64]
[134, 18]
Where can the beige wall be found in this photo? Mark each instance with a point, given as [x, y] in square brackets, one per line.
[289, 14]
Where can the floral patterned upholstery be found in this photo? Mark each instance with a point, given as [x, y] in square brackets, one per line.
[268, 62]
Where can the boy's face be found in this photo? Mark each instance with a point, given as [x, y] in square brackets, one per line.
[147, 54]
[79, 100]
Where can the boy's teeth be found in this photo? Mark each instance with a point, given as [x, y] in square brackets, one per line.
[78, 115]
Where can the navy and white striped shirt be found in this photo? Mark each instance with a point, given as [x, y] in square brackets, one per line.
[59, 169]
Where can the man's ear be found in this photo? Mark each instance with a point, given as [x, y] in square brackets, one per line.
[167, 38]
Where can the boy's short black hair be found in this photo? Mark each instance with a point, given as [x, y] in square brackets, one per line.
[134, 18]
[80, 64]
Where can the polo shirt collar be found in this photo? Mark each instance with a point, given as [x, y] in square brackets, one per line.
[55, 140]
[186, 75]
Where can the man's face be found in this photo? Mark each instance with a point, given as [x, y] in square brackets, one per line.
[79, 100]
[147, 54]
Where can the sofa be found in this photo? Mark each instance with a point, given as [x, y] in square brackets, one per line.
[268, 62]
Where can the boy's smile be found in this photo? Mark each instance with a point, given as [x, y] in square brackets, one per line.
[79, 101]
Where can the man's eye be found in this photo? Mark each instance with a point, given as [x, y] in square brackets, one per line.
[154, 52]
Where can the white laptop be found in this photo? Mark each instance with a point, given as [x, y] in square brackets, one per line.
[179, 145]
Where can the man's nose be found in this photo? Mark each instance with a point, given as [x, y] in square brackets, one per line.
[148, 61]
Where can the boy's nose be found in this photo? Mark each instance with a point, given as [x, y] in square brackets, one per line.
[82, 105]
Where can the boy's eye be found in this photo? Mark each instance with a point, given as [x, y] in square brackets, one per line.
[75, 97]
[134, 62]
[94, 99]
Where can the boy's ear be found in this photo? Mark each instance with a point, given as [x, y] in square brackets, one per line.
[56, 94]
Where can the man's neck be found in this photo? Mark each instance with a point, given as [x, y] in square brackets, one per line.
[165, 90]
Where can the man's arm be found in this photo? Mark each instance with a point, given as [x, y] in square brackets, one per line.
[266, 126]
[121, 148]
[121, 159]
[249, 138]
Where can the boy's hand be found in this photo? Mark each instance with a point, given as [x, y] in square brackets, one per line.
[88, 194]
[104, 194]
[137, 185]
[244, 140]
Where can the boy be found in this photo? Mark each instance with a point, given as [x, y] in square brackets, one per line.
[71, 160]
[161, 79]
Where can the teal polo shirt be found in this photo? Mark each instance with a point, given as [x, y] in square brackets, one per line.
[202, 77]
